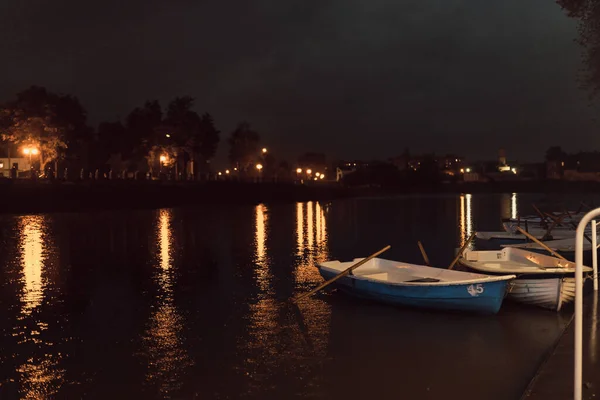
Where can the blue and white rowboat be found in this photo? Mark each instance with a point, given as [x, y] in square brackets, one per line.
[420, 286]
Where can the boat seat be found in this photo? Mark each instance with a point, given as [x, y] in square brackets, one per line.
[399, 277]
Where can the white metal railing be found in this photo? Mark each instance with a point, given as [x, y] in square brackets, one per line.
[587, 218]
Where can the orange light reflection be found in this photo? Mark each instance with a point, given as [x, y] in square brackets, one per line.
[167, 357]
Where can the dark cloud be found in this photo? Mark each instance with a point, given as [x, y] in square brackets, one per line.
[353, 78]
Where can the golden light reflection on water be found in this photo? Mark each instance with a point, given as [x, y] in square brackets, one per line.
[309, 224]
[32, 261]
[269, 318]
[261, 260]
[299, 228]
[167, 357]
[40, 375]
[466, 218]
[164, 238]
[315, 311]
[509, 206]
[311, 235]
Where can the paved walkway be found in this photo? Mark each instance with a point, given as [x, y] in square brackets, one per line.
[554, 380]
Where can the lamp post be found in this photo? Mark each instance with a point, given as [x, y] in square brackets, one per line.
[162, 159]
[30, 151]
[259, 167]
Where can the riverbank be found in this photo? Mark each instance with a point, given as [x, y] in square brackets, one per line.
[24, 196]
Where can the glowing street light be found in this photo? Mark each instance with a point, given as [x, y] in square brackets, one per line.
[299, 171]
[163, 158]
[264, 150]
[317, 174]
[227, 171]
[308, 171]
[30, 151]
[220, 173]
[259, 167]
[322, 176]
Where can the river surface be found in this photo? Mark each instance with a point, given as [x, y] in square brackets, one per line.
[189, 303]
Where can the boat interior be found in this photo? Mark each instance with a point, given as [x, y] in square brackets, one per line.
[399, 272]
[515, 260]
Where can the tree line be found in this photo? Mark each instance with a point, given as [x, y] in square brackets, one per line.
[149, 139]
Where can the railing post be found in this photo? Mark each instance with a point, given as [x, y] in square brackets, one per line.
[595, 254]
[578, 370]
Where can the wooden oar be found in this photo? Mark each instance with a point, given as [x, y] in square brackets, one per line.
[555, 254]
[425, 258]
[542, 216]
[462, 249]
[341, 274]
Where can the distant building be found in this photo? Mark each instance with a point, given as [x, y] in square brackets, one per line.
[583, 166]
[344, 168]
[21, 164]
[501, 158]
[449, 164]
[554, 169]
[574, 175]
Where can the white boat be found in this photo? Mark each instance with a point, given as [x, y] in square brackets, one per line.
[542, 280]
[509, 237]
[420, 286]
[560, 245]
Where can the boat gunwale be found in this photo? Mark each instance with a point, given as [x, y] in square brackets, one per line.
[483, 279]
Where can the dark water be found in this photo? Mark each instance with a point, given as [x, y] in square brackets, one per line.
[189, 303]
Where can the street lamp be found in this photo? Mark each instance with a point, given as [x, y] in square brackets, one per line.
[308, 171]
[264, 150]
[259, 167]
[30, 151]
[162, 159]
[227, 171]
[299, 171]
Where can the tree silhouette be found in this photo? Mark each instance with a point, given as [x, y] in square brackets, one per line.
[244, 146]
[555, 153]
[587, 12]
[210, 137]
[141, 125]
[51, 122]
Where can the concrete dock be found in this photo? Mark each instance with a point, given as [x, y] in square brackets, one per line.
[554, 379]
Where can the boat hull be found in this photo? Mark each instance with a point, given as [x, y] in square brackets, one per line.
[547, 292]
[485, 297]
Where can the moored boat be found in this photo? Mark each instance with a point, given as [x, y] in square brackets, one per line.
[542, 280]
[420, 286]
[503, 237]
[565, 247]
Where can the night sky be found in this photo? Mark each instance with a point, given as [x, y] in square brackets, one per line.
[351, 78]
